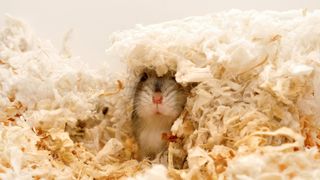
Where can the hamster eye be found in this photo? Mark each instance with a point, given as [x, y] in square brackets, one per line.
[105, 110]
[144, 77]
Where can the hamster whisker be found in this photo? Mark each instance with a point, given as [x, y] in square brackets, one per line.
[170, 95]
[167, 91]
[148, 90]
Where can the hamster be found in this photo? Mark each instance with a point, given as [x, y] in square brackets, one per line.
[158, 101]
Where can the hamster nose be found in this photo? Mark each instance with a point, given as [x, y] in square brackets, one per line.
[157, 98]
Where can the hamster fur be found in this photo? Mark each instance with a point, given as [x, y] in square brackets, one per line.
[158, 101]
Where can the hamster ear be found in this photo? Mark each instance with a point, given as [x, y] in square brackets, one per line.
[144, 77]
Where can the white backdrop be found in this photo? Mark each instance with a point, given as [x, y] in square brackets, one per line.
[92, 21]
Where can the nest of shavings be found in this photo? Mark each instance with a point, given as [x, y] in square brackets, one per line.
[253, 111]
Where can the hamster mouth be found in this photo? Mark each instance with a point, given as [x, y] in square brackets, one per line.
[157, 110]
[158, 113]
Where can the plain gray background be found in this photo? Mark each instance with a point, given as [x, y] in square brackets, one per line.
[93, 21]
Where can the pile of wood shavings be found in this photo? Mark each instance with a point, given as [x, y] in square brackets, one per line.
[58, 119]
[253, 113]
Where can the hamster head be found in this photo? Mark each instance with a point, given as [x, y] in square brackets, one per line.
[159, 97]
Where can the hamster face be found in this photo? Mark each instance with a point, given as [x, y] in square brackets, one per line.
[159, 97]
